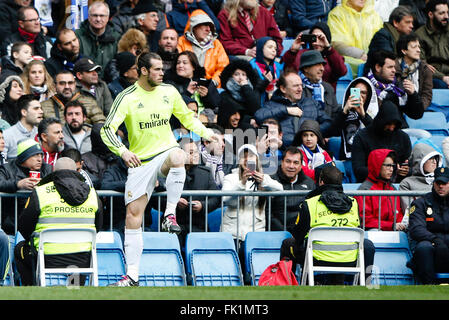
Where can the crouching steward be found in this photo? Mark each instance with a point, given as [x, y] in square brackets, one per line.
[326, 206]
[62, 200]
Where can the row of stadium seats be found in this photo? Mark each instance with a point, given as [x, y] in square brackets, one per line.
[211, 259]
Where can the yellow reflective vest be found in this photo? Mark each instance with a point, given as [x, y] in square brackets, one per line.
[56, 213]
[321, 216]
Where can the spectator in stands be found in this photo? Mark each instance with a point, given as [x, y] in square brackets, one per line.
[445, 147]
[311, 72]
[247, 176]
[64, 53]
[126, 64]
[328, 197]
[201, 38]
[423, 161]
[76, 132]
[15, 176]
[65, 92]
[98, 39]
[399, 23]
[146, 15]
[4, 256]
[428, 230]
[168, 50]
[36, 80]
[434, 41]
[311, 143]
[8, 16]
[382, 74]
[89, 84]
[291, 108]
[418, 10]
[29, 31]
[242, 22]
[133, 41]
[99, 159]
[410, 67]
[181, 132]
[186, 76]
[75, 155]
[280, 11]
[352, 25]
[2, 148]
[355, 114]
[122, 17]
[21, 55]
[212, 156]
[305, 13]
[270, 146]
[68, 188]
[51, 138]
[381, 170]
[334, 68]
[198, 177]
[291, 177]
[383, 133]
[241, 91]
[178, 17]
[10, 91]
[26, 128]
[268, 69]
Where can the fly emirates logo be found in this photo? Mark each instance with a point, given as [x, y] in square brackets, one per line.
[155, 121]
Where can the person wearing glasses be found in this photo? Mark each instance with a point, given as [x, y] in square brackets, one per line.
[29, 31]
[382, 167]
[98, 39]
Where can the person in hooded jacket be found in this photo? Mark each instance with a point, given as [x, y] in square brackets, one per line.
[268, 69]
[355, 114]
[70, 191]
[381, 169]
[423, 162]
[11, 89]
[201, 38]
[21, 55]
[383, 133]
[328, 197]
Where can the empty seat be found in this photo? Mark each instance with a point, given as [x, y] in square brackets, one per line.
[434, 122]
[391, 257]
[440, 97]
[212, 260]
[360, 70]
[286, 44]
[110, 256]
[333, 146]
[350, 186]
[261, 250]
[161, 263]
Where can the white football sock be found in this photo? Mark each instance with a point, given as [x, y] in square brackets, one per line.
[133, 251]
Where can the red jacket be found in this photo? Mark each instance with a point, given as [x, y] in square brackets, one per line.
[333, 69]
[373, 182]
[307, 168]
[237, 39]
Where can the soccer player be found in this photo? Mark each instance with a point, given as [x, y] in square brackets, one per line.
[146, 108]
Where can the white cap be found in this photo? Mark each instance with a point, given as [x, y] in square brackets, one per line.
[249, 147]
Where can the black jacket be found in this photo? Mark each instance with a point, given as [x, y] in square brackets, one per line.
[9, 69]
[429, 218]
[41, 46]
[58, 61]
[302, 182]
[71, 187]
[374, 137]
[10, 174]
[8, 17]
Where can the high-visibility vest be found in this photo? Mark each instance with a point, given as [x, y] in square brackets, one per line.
[321, 216]
[57, 214]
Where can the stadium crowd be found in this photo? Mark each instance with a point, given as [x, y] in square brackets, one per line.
[263, 75]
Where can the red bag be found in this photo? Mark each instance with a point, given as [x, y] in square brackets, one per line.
[278, 274]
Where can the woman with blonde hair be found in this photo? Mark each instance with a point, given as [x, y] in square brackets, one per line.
[37, 80]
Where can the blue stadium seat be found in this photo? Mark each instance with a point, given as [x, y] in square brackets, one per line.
[348, 76]
[212, 260]
[333, 145]
[214, 220]
[360, 70]
[351, 186]
[261, 250]
[392, 254]
[434, 122]
[341, 166]
[340, 91]
[110, 256]
[156, 217]
[286, 43]
[161, 263]
[440, 97]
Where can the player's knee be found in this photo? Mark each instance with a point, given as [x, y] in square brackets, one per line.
[177, 158]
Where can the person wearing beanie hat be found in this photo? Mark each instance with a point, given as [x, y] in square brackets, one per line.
[335, 64]
[15, 176]
[126, 64]
[311, 142]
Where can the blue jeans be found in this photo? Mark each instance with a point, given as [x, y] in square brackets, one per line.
[4, 256]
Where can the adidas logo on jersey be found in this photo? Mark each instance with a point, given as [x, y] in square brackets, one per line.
[140, 105]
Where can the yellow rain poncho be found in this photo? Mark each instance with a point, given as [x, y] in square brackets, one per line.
[352, 30]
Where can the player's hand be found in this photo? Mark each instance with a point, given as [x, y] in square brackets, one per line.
[130, 159]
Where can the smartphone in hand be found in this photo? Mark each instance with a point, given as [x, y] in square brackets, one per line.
[355, 92]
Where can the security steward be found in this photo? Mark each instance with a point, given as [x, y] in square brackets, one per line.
[326, 206]
[61, 200]
[429, 230]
